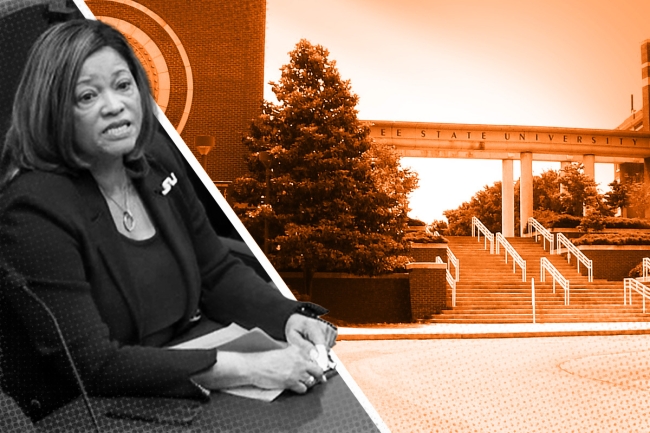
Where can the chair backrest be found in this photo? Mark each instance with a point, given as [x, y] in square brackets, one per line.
[12, 418]
[20, 380]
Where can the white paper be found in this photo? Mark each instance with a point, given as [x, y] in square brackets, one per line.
[234, 338]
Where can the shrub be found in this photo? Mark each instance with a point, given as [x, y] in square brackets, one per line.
[626, 223]
[636, 271]
[592, 221]
[420, 237]
[613, 239]
[551, 219]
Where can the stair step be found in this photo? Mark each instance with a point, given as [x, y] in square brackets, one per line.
[488, 290]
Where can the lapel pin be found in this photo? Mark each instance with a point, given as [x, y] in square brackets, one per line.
[168, 183]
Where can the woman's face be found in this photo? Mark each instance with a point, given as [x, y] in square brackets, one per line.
[107, 110]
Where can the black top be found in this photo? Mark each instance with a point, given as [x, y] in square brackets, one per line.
[159, 285]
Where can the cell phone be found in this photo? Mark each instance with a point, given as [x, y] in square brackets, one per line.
[160, 410]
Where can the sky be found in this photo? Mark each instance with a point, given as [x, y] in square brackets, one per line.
[564, 63]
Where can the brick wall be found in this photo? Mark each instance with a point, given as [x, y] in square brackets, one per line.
[428, 287]
[224, 42]
[357, 299]
[613, 262]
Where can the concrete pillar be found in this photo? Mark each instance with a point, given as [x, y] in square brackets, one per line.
[589, 163]
[563, 165]
[507, 199]
[526, 190]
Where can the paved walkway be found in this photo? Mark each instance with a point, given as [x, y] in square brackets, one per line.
[551, 384]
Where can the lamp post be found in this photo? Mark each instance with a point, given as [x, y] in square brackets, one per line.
[204, 144]
[266, 159]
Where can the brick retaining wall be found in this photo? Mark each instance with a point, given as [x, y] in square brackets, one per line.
[613, 262]
[358, 299]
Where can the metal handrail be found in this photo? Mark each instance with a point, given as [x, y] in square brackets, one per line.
[477, 229]
[452, 260]
[534, 225]
[532, 289]
[546, 265]
[516, 258]
[580, 257]
[450, 280]
[646, 268]
[630, 284]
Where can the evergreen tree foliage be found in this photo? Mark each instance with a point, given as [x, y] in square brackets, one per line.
[618, 195]
[336, 200]
[579, 194]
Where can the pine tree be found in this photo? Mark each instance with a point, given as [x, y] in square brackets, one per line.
[335, 201]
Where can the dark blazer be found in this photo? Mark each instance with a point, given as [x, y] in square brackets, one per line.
[56, 231]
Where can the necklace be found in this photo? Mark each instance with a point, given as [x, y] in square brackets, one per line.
[128, 220]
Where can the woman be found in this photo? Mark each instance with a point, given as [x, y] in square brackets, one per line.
[99, 219]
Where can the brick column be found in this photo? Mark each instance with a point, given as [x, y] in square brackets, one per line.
[428, 252]
[645, 92]
[428, 287]
[645, 89]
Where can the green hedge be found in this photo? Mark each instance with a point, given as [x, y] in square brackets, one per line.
[421, 237]
[626, 223]
[612, 239]
[559, 221]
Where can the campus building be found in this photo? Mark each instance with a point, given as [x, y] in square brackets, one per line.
[206, 64]
[205, 61]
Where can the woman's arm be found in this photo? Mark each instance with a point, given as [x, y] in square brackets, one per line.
[42, 238]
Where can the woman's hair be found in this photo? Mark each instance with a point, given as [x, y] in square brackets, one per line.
[41, 133]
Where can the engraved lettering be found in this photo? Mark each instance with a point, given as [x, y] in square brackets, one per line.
[550, 137]
[593, 140]
[579, 138]
[423, 133]
[469, 134]
[507, 135]
[621, 140]
[607, 140]
[634, 141]
[565, 138]
[536, 137]
[438, 134]
[453, 135]
[483, 135]
[522, 136]
[399, 132]
[383, 131]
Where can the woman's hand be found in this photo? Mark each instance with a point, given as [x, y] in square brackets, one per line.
[289, 368]
[306, 333]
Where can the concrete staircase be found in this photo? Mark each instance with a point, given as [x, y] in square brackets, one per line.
[489, 292]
